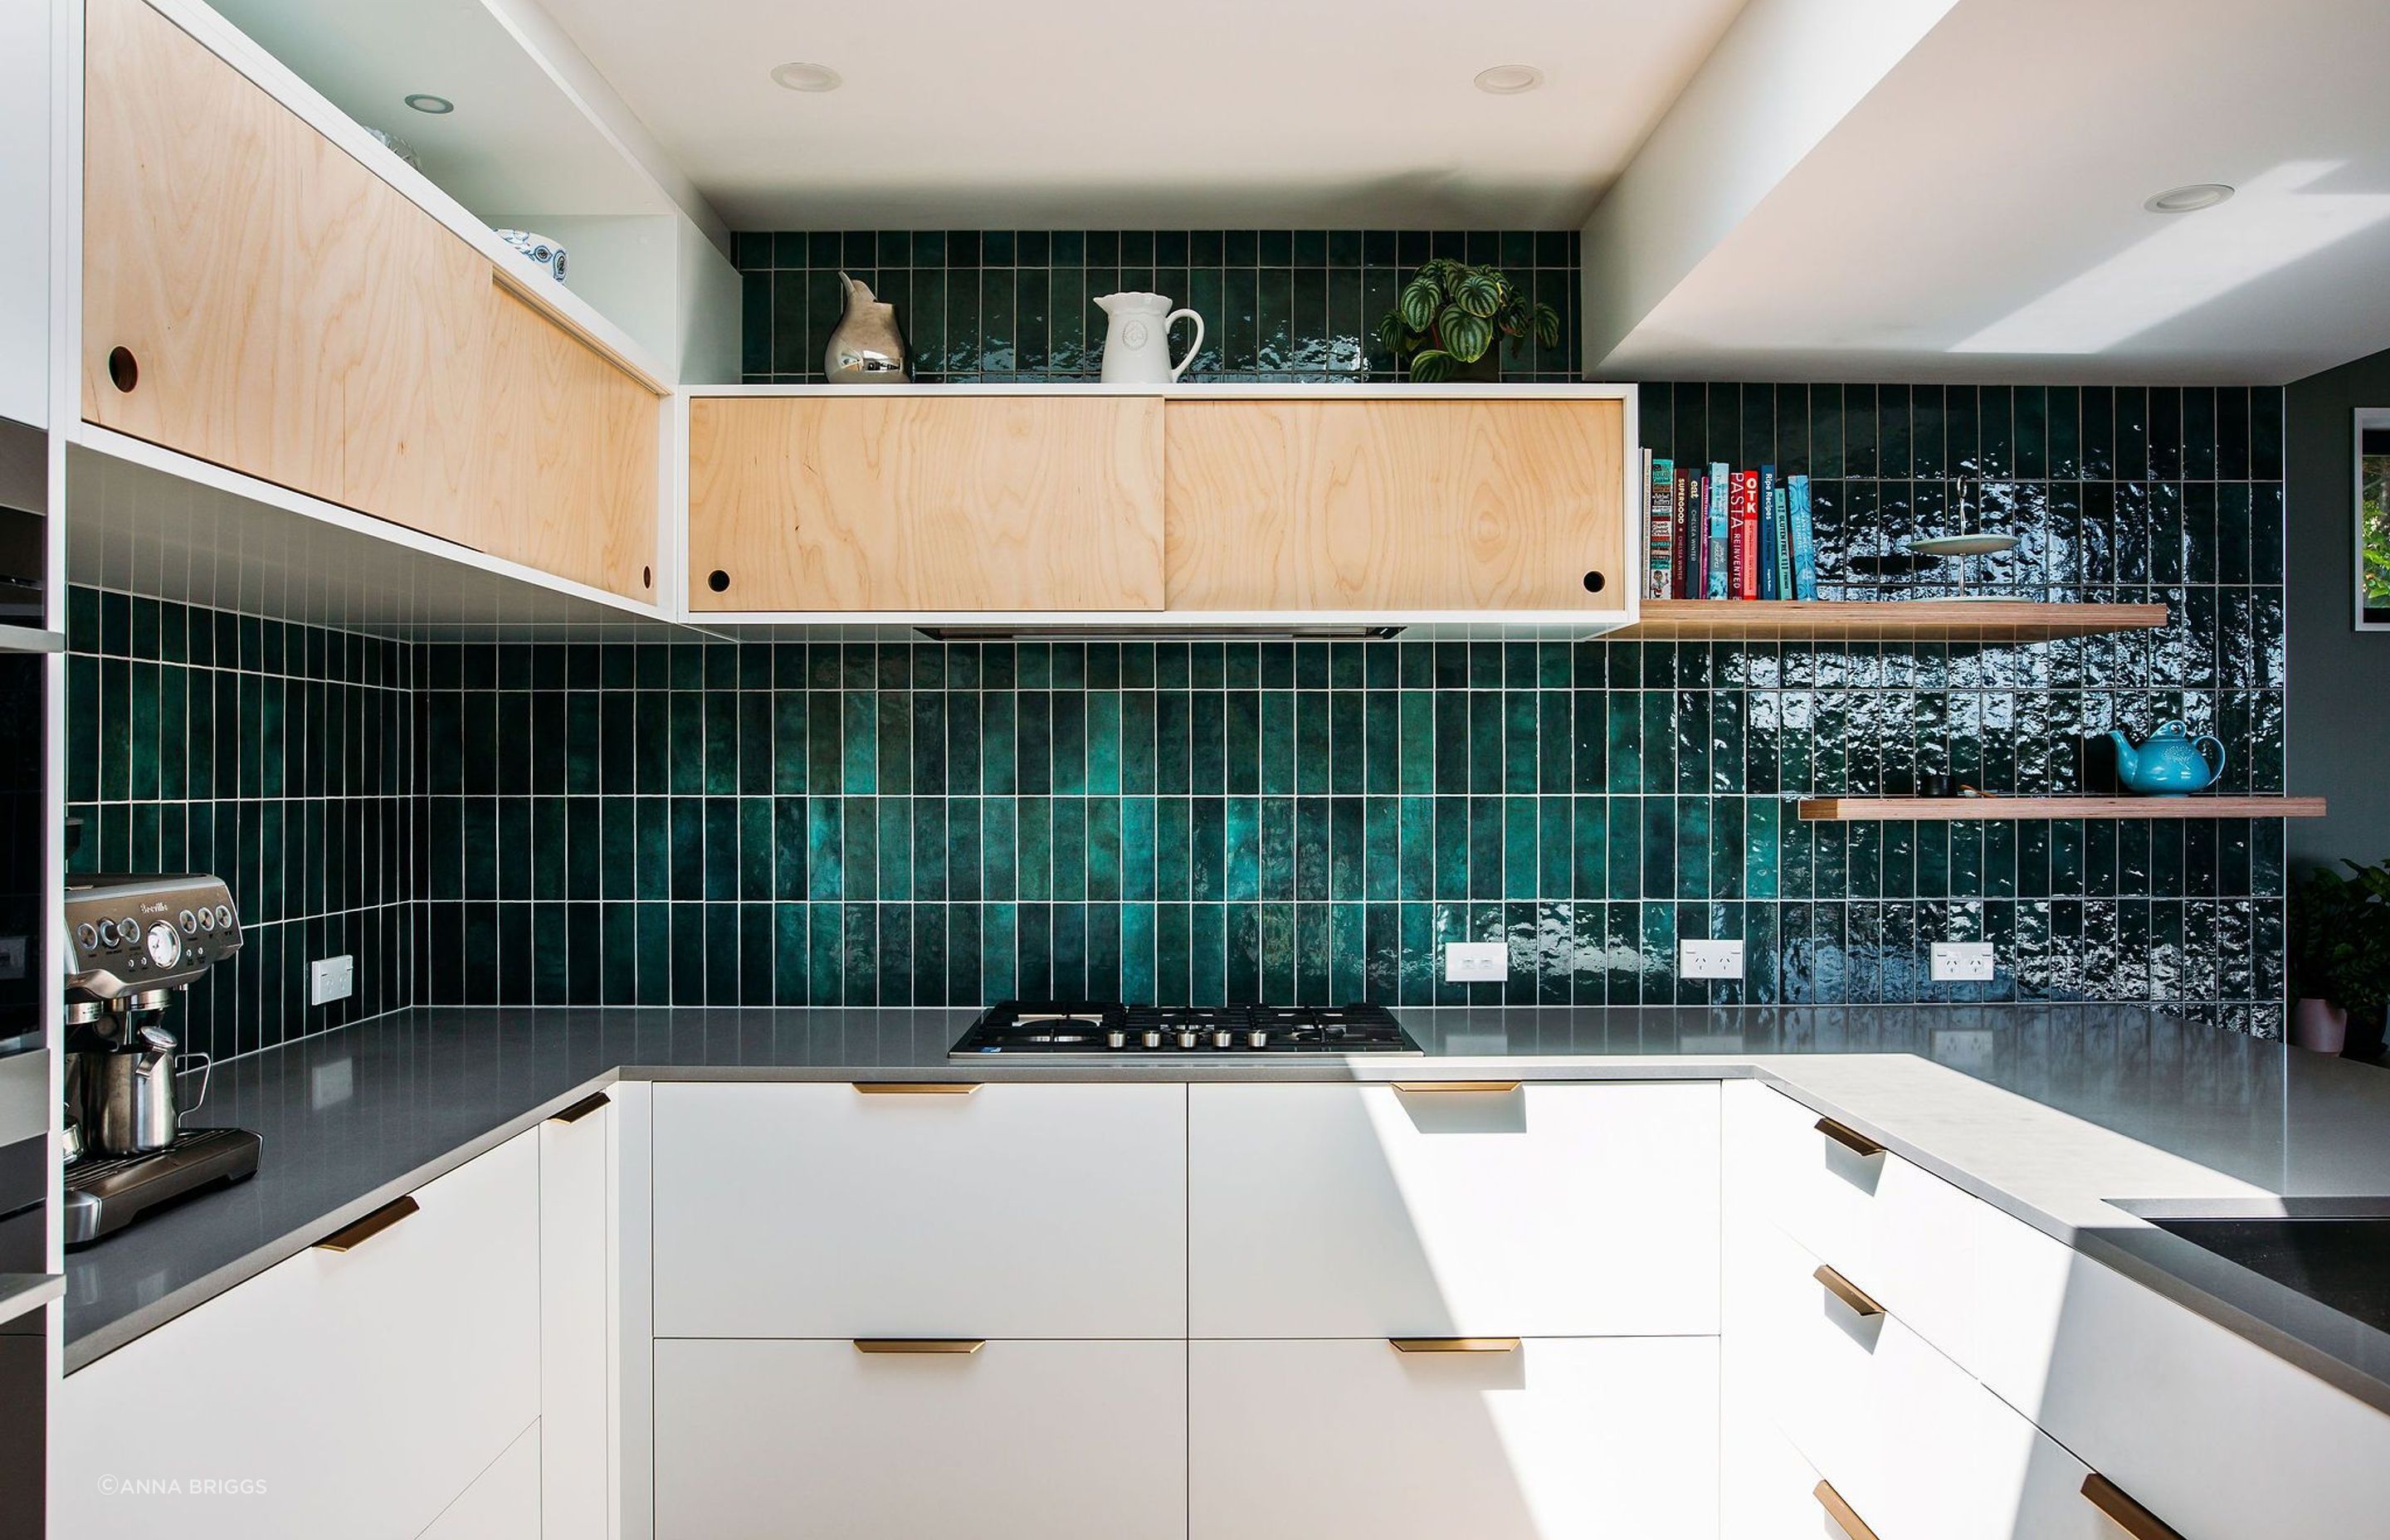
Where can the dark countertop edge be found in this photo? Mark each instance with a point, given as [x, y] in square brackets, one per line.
[82, 1351]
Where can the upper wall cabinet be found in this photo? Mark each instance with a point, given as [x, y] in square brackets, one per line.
[1389, 505]
[256, 297]
[1214, 505]
[905, 502]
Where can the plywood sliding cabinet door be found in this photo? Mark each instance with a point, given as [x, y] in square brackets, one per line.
[1378, 505]
[411, 414]
[224, 263]
[566, 475]
[254, 297]
[873, 501]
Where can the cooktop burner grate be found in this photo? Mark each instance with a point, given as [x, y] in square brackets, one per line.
[1112, 1028]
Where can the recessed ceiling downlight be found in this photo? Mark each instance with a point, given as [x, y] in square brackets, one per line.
[1508, 80]
[424, 101]
[2189, 199]
[807, 77]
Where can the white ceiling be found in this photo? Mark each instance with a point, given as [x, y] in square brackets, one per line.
[1978, 214]
[1091, 113]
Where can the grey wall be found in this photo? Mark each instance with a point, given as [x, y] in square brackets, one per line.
[2339, 677]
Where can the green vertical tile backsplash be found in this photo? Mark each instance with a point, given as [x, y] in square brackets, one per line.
[800, 821]
[279, 757]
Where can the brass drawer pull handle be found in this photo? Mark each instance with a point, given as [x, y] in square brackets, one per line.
[1454, 1344]
[956, 1346]
[355, 1234]
[2124, 1513]
[1840, 1512]
[1848, 1293]
[1849, 1138]
[917, 1088]
[594, 1101]
[1481, 1087]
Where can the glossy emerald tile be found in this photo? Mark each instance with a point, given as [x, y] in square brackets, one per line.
[1276, 858]
[1227, 730]
[825, 848]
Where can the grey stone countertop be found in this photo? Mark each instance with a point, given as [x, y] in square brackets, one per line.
[2046, 1112]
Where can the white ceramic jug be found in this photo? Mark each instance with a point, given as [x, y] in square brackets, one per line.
[1137, 349]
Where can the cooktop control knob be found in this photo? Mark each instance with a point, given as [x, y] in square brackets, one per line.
[1189, 1037]
[1257, 1038]
[1115, 1039]
[1222, 1038]
[1151, 1037]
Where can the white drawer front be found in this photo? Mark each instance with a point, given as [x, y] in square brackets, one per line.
[2218, 1437]
[1019, 1210]
[1909, 1438]
[1550, 1211]
[1353, 1441]
[363, 1390]
[1906, 1231]
[1019, 1441]
[2157, 1398]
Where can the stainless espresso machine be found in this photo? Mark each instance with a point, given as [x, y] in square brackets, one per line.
[132, 943]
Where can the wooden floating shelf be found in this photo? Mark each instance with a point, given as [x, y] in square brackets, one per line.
[1890, 620]
[1848, 810]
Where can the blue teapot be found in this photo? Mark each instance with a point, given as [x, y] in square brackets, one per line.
[2168, 763]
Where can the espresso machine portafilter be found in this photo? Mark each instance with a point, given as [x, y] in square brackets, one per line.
[132, 941]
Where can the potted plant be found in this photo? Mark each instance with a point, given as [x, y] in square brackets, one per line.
[2340, 953]
[1450, 320]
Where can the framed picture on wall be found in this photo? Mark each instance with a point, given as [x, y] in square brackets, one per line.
[2374, 518]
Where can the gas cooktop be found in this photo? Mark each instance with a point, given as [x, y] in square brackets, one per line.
[1107, 1027]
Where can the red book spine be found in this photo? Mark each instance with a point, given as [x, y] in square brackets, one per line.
[1746, 534]
[1688, 555]
[1737, 555]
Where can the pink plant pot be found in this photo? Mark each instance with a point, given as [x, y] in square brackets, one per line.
[2319, 1025]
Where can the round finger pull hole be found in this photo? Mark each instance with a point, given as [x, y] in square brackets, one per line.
[123, 369]
[646, 577]
[1595, 583]
[717, 580]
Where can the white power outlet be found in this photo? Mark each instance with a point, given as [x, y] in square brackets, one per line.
[331, 979]
[1963, 962]
[1709, 959]
[1478, 962]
